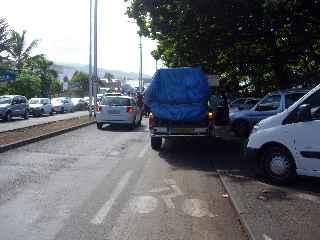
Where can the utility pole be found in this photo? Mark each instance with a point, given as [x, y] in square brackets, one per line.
[90, 63]
[140, 69]
[95, 59]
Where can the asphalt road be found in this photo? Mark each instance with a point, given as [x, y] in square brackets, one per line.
[109, 184]
[17, 122]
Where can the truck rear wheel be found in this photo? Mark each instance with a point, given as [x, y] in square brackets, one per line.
[156, 143]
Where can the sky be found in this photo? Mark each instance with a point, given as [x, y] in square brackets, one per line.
[62, 26]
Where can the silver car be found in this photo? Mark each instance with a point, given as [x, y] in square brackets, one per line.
[40, 106]
[62, 104]
[118, 110]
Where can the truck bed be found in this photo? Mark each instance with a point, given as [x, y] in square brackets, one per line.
[167, 128]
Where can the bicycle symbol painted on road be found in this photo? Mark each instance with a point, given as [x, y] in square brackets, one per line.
[147, 204]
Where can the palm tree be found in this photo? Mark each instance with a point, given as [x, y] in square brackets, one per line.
[4, 40]
[19, 52]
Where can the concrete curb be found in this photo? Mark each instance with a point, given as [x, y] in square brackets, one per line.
[241, 211]
[39, 125]
[20, 143]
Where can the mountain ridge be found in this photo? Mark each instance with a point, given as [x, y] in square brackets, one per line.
[68, 69]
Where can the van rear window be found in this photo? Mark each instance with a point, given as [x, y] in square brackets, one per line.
[115, 101]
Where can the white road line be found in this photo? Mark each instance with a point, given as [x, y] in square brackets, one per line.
[103, 212]
[143, 151]
[266, 237]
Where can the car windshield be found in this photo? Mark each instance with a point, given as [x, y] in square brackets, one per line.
[57, 100]
[292, 98]
[238, 101]
[269, 103]
[5, 100]
[34, 101]
[115, 101]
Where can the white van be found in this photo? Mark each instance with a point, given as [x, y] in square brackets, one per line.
[288, 144]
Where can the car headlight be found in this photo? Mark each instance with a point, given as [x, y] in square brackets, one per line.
[255, 128]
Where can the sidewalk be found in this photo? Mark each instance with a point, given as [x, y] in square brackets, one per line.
[270, 211]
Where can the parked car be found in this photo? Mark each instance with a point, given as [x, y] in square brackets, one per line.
[287, 144]
[61, 105]
[40, 106]
[13, 106]
[79, 104]
[243, 104]
[242, 121]
[118, 110]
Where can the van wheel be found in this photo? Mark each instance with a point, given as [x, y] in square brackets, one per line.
[156, 143]
[279, 165]
[241, 129]
[99, 126]
[62, 110]
[26, 114]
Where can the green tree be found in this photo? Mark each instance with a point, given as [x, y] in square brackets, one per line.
[27, 84]
[108, 76]
[82, 80]
[56, 87]
[42, 67]
[19, 51]
[269, 40]
[4, 41]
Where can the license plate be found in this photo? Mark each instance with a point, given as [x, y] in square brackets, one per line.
[114, 111]
[183, 130]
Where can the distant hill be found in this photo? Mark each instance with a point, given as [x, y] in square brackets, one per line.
[68, 69]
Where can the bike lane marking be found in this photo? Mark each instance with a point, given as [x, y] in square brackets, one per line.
[105, 209]
[145, 204]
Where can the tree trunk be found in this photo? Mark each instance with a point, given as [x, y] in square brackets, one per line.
[281, 75]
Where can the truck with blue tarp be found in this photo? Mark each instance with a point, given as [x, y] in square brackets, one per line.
[178, 100]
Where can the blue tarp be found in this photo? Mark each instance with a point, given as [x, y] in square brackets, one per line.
[179, 94]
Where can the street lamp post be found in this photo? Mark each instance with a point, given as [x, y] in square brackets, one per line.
[140, 69]
[90, 63]
[95, 58]
[140, 65]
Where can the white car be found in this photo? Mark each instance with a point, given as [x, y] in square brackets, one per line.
[62, 105]
[288, 144]
[40, 106]
[118, 110]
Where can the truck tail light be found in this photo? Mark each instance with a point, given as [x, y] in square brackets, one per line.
[98, 108]
[151, 120]
[130, 109]
[210, 115]
[210, 118]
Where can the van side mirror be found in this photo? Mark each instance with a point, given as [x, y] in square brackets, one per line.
[304, 113]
